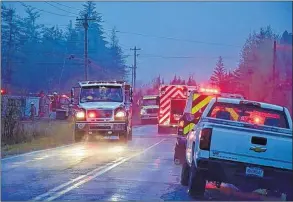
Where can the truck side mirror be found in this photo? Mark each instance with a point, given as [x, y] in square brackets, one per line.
[130, 95]
[72, 95]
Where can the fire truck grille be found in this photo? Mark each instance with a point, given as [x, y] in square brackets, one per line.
[102, 113]
[152, 111]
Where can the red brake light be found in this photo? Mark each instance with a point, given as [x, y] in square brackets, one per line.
[205, 139]
[2, 91]
[92, 115]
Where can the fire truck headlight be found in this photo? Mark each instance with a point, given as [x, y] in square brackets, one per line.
[80, 115]
[120, 114]
[142, 112]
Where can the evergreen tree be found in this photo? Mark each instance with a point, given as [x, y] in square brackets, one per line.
[218, 77]
[174, 81]
[10, 45]
[117, 60]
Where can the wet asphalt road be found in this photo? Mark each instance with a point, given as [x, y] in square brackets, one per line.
[141, 170]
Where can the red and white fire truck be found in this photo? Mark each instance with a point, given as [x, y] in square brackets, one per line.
[172, 101]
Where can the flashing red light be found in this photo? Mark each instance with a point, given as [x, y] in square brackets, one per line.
[209, 90]
[257, 120]
[3, 91]
[92, 115]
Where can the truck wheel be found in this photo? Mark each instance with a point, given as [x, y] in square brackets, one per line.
[130, 135]
[78, 135]
[123, 137]
[185, 174]
[196, 184]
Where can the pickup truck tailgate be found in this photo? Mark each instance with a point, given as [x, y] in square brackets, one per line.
[253, 146]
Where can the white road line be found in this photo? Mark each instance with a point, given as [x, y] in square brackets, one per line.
[98, 173]
[40, 197]
[39, 151]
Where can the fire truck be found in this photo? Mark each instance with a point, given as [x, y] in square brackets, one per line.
[197, 101]
[172, 101]
[149, 109]
[104, 109]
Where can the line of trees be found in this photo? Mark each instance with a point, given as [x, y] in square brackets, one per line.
[36, 57]
[253, 77]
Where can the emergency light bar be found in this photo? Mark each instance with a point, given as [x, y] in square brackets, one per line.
[99, 82]
[209, 90]
[150, 97]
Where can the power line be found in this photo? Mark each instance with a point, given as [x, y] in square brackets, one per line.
[181, 57]
[178, 39]
[45, 10]
[60, 8]
[65, 5]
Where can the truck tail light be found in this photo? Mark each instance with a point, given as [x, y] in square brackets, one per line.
[205, 139]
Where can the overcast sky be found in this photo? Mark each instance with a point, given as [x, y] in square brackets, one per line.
[196, 32]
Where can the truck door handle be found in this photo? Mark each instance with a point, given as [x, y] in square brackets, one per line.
[259, 140]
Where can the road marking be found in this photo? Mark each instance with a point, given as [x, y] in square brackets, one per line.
[87, 177]
[39, 151]
[40, 197]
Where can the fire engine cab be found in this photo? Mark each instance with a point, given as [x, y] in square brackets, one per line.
[104, 109]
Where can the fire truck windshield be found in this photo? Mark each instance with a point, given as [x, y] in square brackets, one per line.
[149, 102]
[101, 94]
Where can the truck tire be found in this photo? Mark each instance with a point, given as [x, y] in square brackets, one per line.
[185, 171]
[123, 137]
[78, 136]
[197, 183]
[130, 135]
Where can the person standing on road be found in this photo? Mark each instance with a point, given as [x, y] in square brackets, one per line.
[42, 104]
[32, 111]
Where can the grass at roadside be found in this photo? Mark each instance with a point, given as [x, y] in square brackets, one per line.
[60, 134]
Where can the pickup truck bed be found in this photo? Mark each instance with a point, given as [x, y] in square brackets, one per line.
[260, 153]
[242, 142]
[247, 143]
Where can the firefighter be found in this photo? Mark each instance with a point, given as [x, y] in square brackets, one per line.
[32, 111]
[114, 94]
[42, 104]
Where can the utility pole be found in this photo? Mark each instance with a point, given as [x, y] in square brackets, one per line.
[132, 75]
[134, 65]
[85, 25]
[274, 66]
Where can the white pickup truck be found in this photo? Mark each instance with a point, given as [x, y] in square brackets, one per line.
[244, 143]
